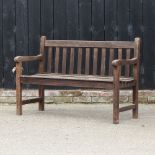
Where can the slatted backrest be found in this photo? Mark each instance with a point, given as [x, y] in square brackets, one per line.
[88, 57]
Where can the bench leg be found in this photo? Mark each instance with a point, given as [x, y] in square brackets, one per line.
[18, 98]
[18, 89]
[135, 101]
[116, 105]
[41, 94]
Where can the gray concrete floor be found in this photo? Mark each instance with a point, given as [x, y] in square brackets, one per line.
[76, 130]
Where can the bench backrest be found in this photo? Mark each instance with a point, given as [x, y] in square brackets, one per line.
[87, 57]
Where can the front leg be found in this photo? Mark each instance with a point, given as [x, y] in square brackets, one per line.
[18, 89]
[116, 83]
[116, 104]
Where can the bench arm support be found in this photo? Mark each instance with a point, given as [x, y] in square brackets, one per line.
[20, 59]
[117, 67]
[120, 62]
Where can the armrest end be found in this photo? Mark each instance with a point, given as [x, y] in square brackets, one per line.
[120, 62]
[18, 59]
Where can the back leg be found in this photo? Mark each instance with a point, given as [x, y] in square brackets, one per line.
[41, 94]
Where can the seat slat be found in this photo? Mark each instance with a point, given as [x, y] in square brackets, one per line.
[64, 60]
[103, 57]
[87, 64]
[57, 60]
[71, 69]
[78, 77]
[95, 59]
[79, 60]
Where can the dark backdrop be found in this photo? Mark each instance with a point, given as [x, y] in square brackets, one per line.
[22, 22]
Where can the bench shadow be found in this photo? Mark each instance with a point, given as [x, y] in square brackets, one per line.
[104, 114]
[101, 114]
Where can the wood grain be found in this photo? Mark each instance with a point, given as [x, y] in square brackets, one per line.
[112, 81]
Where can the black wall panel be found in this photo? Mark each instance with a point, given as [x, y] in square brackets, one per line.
[22, 22]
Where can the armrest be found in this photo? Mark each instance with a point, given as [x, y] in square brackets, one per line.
[27, 58]
[120, 62]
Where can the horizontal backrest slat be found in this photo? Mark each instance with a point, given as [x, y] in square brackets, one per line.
[90, 44]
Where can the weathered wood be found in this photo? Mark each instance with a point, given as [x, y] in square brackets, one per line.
[67, 82]
[116, 87]
[127, 66]
[42, 53]
[42, 70]
[18, 89]
[41, 95]
[71, 70]
[103, 57]
[136, 77]
[87, 61]
[111, 58]
[120, 62]
[50, 60]
[89, 44]
[119, 53]
[74, 82]
[77, 77]
[135, 100]
[129, 107]
[28, 58]
[34, 100]
[57, 60]
[64, 59]
[79, 60]
[95, 59]
[83, 79]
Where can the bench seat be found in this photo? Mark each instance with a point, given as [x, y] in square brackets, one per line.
[89, 81]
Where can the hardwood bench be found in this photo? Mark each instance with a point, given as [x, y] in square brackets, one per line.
[84, 64]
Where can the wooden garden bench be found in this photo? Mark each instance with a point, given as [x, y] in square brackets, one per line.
[84, 64]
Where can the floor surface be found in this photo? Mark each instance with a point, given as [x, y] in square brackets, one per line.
[76, 129]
